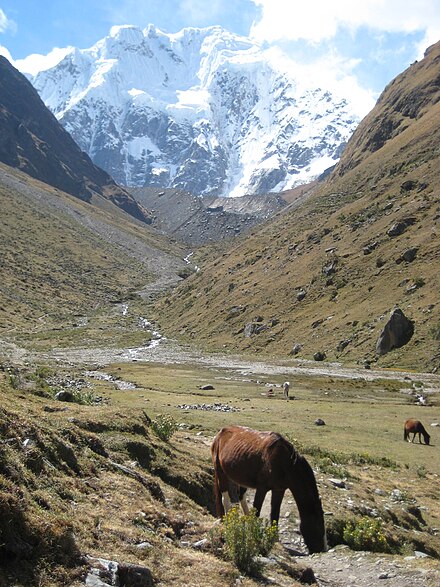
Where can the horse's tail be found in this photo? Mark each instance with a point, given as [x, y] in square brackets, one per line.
[405, 433]
[217, 493]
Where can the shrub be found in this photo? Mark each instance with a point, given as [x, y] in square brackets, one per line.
[246, 537]
[366, 534]
[164, 426]
[435, 331]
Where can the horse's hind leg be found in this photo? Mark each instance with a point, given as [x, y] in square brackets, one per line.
[243, 501]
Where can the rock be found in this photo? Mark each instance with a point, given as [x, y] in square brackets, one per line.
[64, 396]
[410, 254]
[330, 268]
[396, 333]
[338, 483]
[399, 227]
[342, 344]
[319, 356]
[368, 249]
[319, 422]
[134, 576]
[296, 349]
[207, 387]
[300, 295]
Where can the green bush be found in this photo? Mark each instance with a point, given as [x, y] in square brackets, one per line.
[164, 426]
[246, 537]
[366, 534]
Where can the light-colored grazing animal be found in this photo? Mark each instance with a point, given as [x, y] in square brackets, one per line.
[286, 387]
[266, 461]
[415, 427]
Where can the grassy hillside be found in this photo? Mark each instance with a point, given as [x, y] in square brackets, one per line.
[326, 274]
[63, 258]
[91, 479]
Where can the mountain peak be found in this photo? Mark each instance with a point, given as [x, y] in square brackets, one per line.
[202, 110]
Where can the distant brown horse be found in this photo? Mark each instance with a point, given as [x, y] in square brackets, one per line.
[415, 427]
[266, 461]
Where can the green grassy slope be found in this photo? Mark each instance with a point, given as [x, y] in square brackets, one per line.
[61, 257]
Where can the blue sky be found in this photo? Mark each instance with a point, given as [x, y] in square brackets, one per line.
[368, 42]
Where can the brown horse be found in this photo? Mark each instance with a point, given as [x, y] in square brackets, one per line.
[266, 461]
[415, 427]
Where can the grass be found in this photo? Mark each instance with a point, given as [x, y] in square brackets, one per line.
[163, 493]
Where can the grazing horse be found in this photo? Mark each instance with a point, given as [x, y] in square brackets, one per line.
[266, 461]
[286, 387]
[415, 427]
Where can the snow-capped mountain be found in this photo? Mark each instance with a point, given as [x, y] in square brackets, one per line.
[202, 110]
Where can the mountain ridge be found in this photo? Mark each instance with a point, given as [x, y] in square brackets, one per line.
[202, 110]
[340, 259]
[33, 140]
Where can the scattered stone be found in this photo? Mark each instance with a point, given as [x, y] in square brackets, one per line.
[130, 575]
[319, 422]
[343, 344]
[64, 396]
[208, 387]
[410, 254]
[368, 249]
[396, 333]
[330, 268]
[301, 295]
[419, 554]
[296, 349]
[201, 544]
[399, 227]
[144, 545]
[319, 356]
[216, 407]
[338, 483]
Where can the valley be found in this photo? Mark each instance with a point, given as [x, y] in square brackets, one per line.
[132, 331]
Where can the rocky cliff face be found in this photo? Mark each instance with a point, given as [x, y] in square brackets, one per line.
[32, 140]
[202, 110]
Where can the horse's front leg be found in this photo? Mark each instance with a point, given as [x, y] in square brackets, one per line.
[275, 504]
[260, 494]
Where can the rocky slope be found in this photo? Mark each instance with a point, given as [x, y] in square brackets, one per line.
[202, 110]
[34, 141]
[326, 275]
[202, 220]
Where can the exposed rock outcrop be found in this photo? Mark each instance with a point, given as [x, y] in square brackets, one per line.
[396, 333]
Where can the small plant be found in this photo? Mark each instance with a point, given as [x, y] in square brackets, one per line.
[419, 282]
[366, 534]
[435, 331]
[422, 471]
[164, 426]
[246, 537]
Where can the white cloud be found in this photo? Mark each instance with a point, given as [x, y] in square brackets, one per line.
[5, 53]
[319, 20]
[331, 72]
[6, 23]
[34, 63]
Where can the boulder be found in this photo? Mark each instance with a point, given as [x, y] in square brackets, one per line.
[399, 227]
[396, 333]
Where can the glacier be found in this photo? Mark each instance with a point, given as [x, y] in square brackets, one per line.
[203, 110]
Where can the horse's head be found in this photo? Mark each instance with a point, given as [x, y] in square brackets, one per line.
[312, 528]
